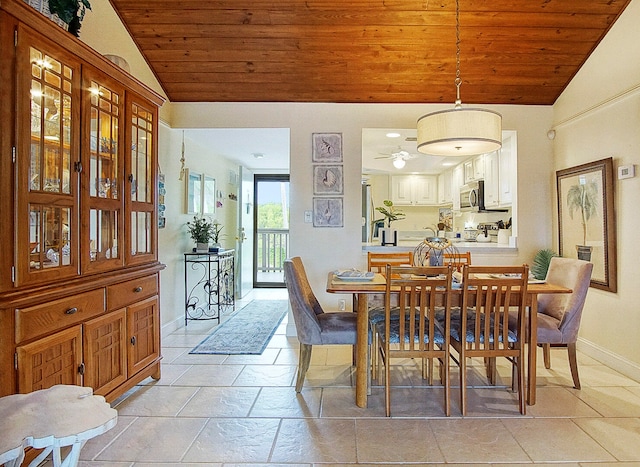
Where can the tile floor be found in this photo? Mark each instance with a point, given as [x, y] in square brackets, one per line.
[220, 410]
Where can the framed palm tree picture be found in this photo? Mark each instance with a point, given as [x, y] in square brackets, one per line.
[586, 219]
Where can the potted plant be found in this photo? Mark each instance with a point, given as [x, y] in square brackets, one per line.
[71, 12]
[200, 230]
[541, 262]
[583, 197]
[391, 214]
[216, 228]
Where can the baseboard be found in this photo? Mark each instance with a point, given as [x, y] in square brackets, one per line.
[612, 360]
[171, 326]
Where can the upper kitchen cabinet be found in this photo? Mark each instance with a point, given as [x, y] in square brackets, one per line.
[474, 169]
[78, 203]
[445, 193]
[507, 167]
[414, 190]
[491, 179]
[499, 173]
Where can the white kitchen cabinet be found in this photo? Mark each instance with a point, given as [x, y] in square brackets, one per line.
[414, 190]
[445, 195]
[507, 158]
[457, 180]
[474, 169]
[491, 179]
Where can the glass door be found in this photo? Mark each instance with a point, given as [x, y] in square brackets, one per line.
[103, 173]
[47, 207]
[141, 181]
[272, 229]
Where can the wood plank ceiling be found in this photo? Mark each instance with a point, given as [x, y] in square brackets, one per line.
[381, 51]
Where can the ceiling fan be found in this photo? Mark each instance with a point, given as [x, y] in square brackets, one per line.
[399, 157]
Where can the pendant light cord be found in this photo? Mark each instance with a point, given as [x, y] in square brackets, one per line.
[458, 80]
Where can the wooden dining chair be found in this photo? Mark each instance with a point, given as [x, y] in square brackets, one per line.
[410, 328]
[457, 260]
[377, 262]
[481, 328]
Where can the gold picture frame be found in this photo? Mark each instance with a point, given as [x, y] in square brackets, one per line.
[586, 219]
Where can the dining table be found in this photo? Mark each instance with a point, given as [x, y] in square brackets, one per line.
[361, 289]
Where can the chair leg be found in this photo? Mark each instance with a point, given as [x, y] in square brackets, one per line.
[373, 351]
[444, 377]
[546, 352]
[303, 365]
[387, 385]
[573, 364]
[520, 368]
[491, 369]
[463, 384]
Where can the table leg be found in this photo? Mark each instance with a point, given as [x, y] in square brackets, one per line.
[533, 350]
[362, 351]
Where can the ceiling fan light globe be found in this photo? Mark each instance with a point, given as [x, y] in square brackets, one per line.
[399, 163]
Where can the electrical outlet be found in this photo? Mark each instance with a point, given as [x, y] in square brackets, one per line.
[342, 304]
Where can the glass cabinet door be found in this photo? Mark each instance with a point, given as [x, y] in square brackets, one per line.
[142, 174]
[47, 224]
[102, 173]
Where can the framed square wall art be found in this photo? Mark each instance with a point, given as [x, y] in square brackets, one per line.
[327, 147]
[327, 212]
[327, 180]
[586, 219]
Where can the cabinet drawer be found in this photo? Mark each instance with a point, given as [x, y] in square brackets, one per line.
[48, 317]
[132, 291]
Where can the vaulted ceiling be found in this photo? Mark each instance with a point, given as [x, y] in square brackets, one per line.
[380, 51]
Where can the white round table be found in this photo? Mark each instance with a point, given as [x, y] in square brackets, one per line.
[50, 419]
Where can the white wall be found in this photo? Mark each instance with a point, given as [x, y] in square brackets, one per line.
[174, 239]
[325, 249]
[598, 116]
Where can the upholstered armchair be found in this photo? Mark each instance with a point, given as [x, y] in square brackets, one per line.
[313, 325]
[559, 315]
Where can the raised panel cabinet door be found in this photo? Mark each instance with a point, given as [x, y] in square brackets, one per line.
[402, 190]
[103, 172]
[425, 190]
[457, 180]
[491, 179]
[56, 359]
[105, 352]
[141, 181]
[508, 160]
[48, 115]
[143, 333]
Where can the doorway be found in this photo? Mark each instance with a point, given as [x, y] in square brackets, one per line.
[271, 236]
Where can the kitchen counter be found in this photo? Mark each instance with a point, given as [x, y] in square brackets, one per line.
[473, 247]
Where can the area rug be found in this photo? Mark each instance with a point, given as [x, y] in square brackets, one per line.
[247, 331]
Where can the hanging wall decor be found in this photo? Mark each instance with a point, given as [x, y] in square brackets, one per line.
[327, 212]
[586, 219]
[327, 179]
[327, 147]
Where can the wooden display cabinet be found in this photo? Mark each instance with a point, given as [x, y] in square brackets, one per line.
[79, 270]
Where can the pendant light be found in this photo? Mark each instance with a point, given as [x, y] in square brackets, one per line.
[459, 131]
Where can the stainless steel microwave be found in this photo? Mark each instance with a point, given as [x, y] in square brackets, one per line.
[472, 196]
